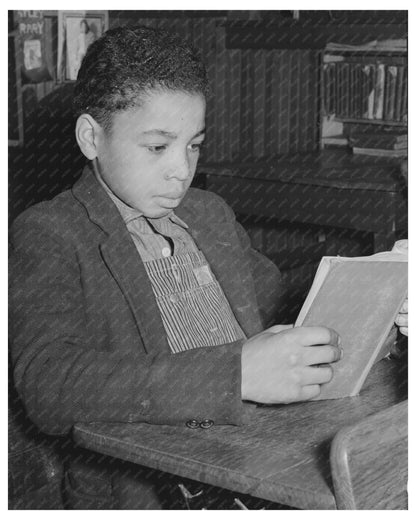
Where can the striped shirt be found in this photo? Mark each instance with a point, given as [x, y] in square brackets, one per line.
[193, 306]
[154, 237]
[194, 309]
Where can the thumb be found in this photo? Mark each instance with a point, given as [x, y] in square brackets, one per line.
[275, 329]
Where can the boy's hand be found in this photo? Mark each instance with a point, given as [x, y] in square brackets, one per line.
[277, 365]
[402, 320]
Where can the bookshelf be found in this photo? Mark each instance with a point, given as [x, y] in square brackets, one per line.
[363, 90]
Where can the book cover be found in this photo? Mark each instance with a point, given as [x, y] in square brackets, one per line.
[390, 92]
[403, 103]
[360, 299]
[399, 91]
[357, 90]
[379, 91]
[369, 90]
[350, 90]
[345, 89]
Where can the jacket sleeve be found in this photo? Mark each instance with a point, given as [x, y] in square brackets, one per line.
[64, 374]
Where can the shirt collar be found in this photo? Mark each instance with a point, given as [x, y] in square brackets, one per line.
[129, 214]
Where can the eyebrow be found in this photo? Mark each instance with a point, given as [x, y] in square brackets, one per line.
[170, 135]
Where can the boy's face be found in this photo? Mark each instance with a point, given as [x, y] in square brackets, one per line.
[149, 158]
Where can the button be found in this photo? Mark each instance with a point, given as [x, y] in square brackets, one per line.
[173, 298]
[176, 273]
[166, 252]
[206, 423]
[192, 423]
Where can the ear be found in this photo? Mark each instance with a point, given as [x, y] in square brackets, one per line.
[88, 133]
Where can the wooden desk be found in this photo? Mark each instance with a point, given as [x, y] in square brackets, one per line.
[330, 188]
[282, 456]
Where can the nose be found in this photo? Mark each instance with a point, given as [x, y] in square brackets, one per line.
[180, 168]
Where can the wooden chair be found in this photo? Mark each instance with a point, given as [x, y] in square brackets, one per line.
[369, 461]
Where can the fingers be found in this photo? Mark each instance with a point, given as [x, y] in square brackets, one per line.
[307, 336]
[323, 354]
[405, 307]
[316, 375]
[402, 320]
[313, 378]
[404, 331]
[310, 392]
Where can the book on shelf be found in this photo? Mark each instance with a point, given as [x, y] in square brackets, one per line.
[381, 140]
[368, 87]
[335, 140]
[367, 127]
[345, 89]
[370, 91]
[350, 90]
[403, 103]
[379, 91]
[390, 92]
[399, 92]
[389, 45]
[379, 152]
[359, 298]
[338, 89]
[356, 90]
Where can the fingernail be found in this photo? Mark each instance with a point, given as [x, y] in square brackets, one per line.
[341, 352]
[339, 341]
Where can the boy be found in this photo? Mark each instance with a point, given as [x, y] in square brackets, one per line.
[135, 298]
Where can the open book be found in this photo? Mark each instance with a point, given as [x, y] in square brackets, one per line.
[359, 298]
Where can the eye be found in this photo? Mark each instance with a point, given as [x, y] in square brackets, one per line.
[157, 148]
[196, 147]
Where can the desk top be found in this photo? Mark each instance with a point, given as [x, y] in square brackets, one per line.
[333, 168]
[282, 456]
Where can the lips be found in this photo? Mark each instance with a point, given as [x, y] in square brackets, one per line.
[173, 196]
[170, 201]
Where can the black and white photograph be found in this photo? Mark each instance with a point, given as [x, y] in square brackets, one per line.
[208, 235]
[77, 30]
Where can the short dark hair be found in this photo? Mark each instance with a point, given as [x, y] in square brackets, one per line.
[127, 62]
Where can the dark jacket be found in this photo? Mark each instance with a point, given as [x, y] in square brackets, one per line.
[88, 343]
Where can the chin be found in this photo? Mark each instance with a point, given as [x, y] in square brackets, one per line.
[158, 213]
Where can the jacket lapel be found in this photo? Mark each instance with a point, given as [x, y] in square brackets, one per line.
[222, 249]
[120, 256]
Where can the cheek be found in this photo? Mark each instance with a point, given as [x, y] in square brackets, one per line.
[193, 162]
